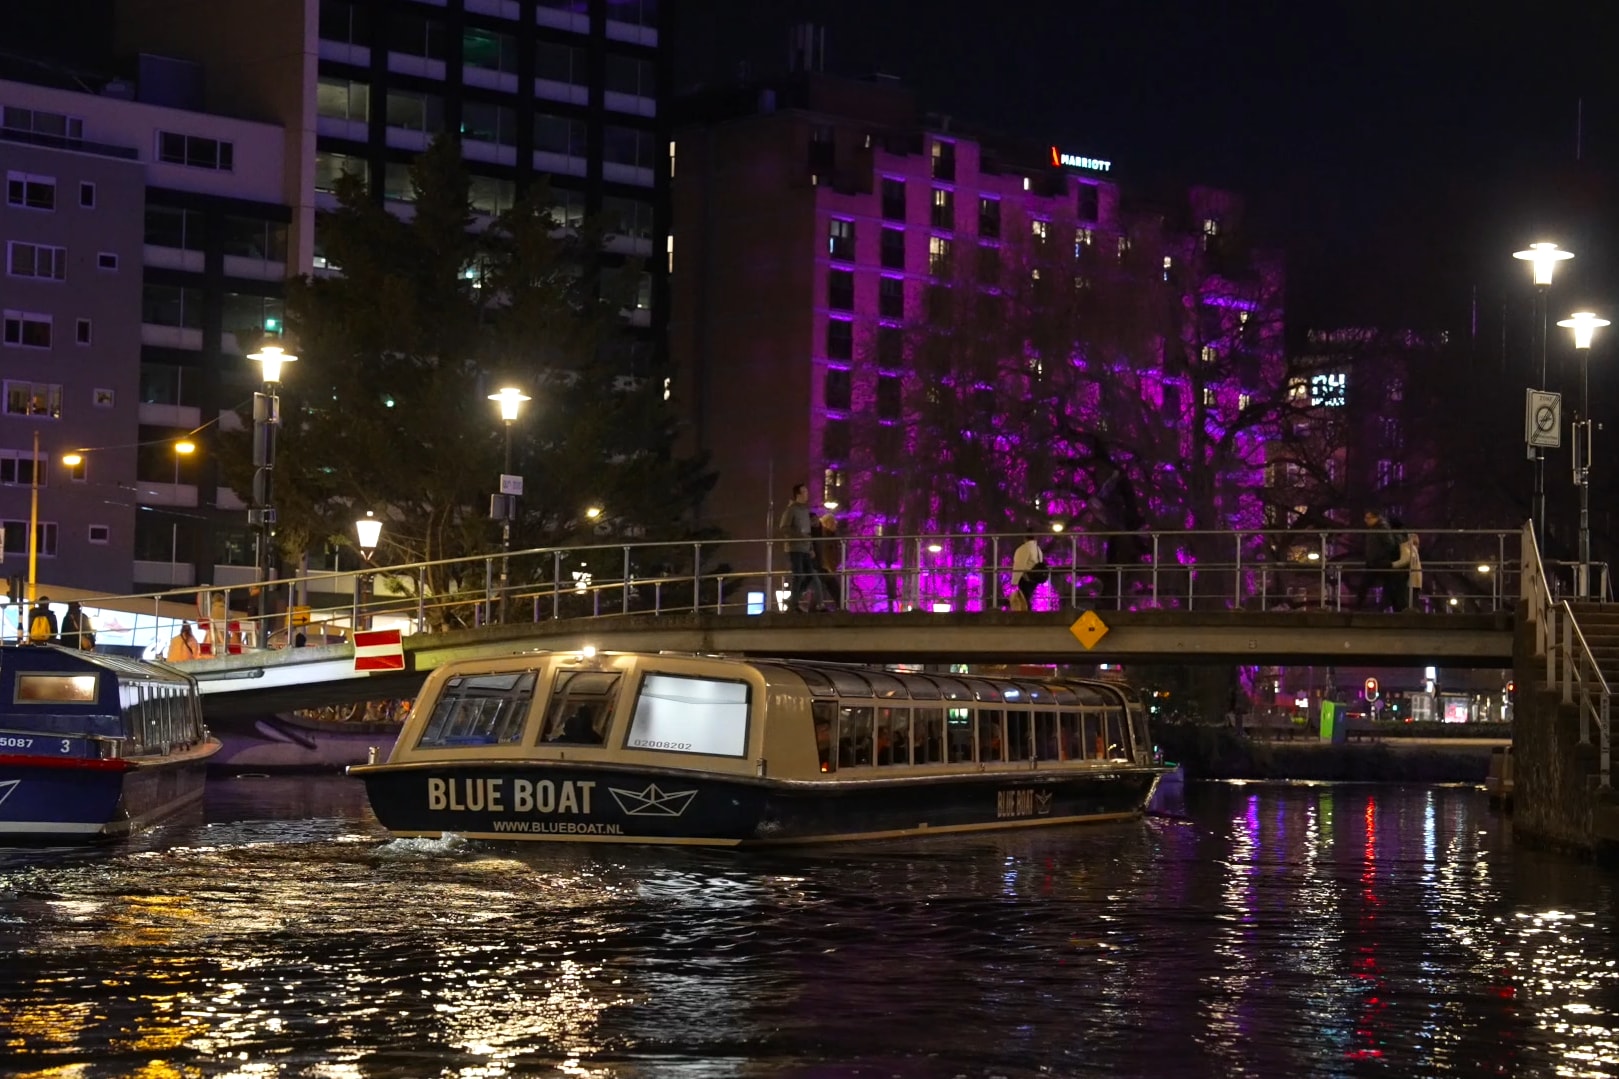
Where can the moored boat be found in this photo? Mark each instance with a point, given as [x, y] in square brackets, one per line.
[94, 745]
[687, 749]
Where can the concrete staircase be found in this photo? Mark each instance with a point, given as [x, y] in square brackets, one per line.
[1599, 622]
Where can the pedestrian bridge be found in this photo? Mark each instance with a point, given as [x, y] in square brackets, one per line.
[309, 677]
[1173, 597]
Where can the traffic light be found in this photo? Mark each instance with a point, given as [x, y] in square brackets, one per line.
[1371, 689]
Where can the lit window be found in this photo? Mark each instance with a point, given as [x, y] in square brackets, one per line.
[840, 239]
[1210, 354]
[938, 255]
[1211, 226]
[1244, 400]
[1040, 229]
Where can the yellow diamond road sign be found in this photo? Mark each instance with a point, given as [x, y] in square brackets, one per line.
[1088, 629]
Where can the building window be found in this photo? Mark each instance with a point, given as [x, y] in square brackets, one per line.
[489, 51]
[100, 534]
[1209, 354]
[567, 207]
[839, 339]
[1124, 247]
[75, 471]
[36, 121]
[840, 290]
[16, 536]
[489, 195]
[248, 318]
[1089, 205]
[893, 200]
[343, 99]
[559, 135]
[1083, 238]
[489, 123]
[1040, 230]
[36, 260]
[194, 151]
[415, 112]
[415, 35]
[834, 485]
[628, 75]
[837, 390]
[17, 470]
[840, 239]
[628, 217]
[938, 255]
[254, 238]
[889, 445]
[944, 160]
[989, 218]
[103, 398]
[890, 347]
[944, 208]
[628, 146]
[30, 192]
[329, 167]
[560, 63]
[82, 331]
[106, 260]
[893, 249]
[835, 440]
[889, 397]
[34, 399]
[25, 330]
[171, 305]
[634, 12]
[1390, 472]
[396, 182]
[1244, 400]
[87, 195]
[345, 21]
[891, 297]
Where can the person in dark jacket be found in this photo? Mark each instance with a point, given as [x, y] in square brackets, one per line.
[1382, 550]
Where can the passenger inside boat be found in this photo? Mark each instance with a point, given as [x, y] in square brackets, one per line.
[580, 728]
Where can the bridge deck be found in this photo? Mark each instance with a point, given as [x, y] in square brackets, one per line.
[306, 677]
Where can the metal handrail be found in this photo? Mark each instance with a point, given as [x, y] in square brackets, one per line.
[1537, 595]
[1190, 569]
[1580, 668]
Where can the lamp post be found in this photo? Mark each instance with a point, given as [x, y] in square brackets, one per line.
[368, 530]
[183, 448]
[266, 419]
[1584, 326]
[1543, 259]
[504, 505]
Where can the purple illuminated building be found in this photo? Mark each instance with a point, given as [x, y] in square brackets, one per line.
[950, 332]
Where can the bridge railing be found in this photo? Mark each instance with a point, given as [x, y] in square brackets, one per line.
[1465, 570]
[1569, 662]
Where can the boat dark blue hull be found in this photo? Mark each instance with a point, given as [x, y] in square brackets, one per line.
[581, 801]
[51, 800]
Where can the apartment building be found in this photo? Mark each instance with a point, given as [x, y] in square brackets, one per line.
[818, 220]
[144, 254]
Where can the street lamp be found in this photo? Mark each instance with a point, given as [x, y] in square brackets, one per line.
[368, 530]
[504, 505]
[1543, 259]
[183, 448]
[271, 358]
[1584, 326]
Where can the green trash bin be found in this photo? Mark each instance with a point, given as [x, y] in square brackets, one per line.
[1334, 727]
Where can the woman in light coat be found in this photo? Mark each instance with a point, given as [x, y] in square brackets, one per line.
[1410, 560]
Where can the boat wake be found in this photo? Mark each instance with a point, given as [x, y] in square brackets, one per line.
[405, 849]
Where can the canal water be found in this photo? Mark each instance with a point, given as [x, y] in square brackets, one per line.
[1251, 930]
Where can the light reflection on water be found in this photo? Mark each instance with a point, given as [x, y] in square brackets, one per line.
[1261, 930]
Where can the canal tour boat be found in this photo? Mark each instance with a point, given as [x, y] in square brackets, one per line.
[94, 745]
[719, 751]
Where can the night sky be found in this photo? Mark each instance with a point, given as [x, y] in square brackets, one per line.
[1398, 152]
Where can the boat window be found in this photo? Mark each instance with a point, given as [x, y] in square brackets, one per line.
[854, 737]
[825, 714]
[983, 691]
[893, 736]
[1064, 694]
[927, 735]
[682, 714]
[848, 683]
[1091, 737]
[57, 688]
[1046, 744]
[1019, 735]
[480, 710]
[1032, 692]
[919, 688]
[885, 685]
[1117, 747]
[991, 742]
[581, 707]
[1071, 747]
[818, 684]
[959, 734]
[952, 689]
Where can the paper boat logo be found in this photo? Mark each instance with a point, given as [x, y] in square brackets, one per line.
[1042, 803]
[7, 788]
[652, 802]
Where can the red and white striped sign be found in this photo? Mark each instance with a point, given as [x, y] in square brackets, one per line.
[379, 650]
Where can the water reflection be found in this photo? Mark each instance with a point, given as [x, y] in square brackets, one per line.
[1266, 930]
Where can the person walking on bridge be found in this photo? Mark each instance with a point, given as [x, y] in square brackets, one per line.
[183, 646]
[1408, 589]
[1382, 548]
[795, 530]
[1028, 573]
